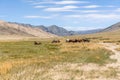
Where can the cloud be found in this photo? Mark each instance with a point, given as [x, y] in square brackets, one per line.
[59, 9]
[95, 16]
[92, 6]
[39, 6]
[89, 11]
[43, 17]
[70, 2]
[80, 28]
[117, 10]
[61, 2]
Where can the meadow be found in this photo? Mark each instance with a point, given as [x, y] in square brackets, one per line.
[22, 60]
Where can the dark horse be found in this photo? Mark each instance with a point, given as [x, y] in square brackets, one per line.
[73, 40]
[56, 41]
[77, 40]
[37, 43]
[85, 40]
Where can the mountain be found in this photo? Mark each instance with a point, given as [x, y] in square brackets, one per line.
[109, 34]
[55, 30]
[63, 32]
[114, 27]
[88, 31]
[20, 30]
[58, 30]
[42, 27]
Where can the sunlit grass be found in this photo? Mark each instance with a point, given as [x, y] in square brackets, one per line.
[17, 59]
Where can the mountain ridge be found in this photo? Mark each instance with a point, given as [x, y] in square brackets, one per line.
[60, 31]
[113, 27]
[13, 29]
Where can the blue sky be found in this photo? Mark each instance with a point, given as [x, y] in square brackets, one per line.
[70, 14]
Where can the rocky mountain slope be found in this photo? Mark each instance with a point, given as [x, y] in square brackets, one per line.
[13, 29]
[55, 30]
[63, 32]
[114, 27]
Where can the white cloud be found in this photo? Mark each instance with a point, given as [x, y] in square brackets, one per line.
[61, 2]
[30, 1]
[59, 9]
[90, 11]
[43, 17]
[80, 28]
[92, 6]
[95, 16]
[70, 2]
[39, 6]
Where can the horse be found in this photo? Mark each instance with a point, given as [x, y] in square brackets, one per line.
[55, 41]
[77, 40]
[37, 43]
[85, 40]
[73, 40]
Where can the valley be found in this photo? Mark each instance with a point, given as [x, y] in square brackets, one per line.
[21, 59]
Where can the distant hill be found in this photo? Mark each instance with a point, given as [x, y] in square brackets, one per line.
[63, 32]
[114, 27]
[20, 30]
[88, 31]
[60, 31]
[109, 34]
[55, 30]
[42, 27]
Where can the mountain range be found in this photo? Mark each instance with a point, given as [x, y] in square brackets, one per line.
[60, 31]
[18, 30]
[63, 32]
[28, 30]
[113, 27]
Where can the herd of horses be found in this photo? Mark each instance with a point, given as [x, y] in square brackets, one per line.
[67, 41]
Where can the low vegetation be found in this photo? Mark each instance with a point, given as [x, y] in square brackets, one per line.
[18, 59]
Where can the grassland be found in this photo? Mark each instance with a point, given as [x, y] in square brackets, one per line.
[22, 60]
[107, 37]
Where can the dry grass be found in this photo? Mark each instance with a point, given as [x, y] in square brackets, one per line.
[21, 60]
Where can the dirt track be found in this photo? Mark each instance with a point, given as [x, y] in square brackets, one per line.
[112, 47]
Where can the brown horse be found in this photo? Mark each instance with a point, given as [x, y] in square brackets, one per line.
[77, 40]
[37, 43]
[85, 40]
[73, 40]
[55, 41]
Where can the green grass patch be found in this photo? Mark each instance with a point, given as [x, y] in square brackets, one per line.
[51, 52]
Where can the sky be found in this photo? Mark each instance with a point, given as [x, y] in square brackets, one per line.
[69, 14]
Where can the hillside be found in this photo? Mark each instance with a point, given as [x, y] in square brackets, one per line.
[114, 27]
[55, 30]
[109, 34]
[12, 29]
[63, 32]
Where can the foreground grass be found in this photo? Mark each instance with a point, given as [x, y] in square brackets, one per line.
[24, 57]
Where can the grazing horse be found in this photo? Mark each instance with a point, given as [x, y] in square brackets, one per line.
[77, 40]
[73, 40]
[55, 41]
[85, 40]
[69, 40]
[37, 43]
